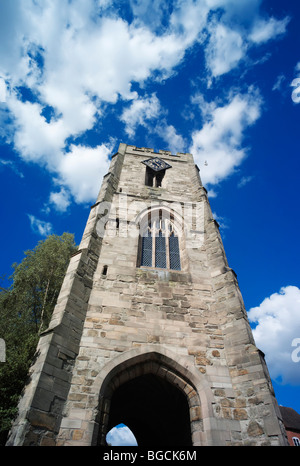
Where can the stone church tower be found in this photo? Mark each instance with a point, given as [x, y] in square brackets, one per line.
[150, 328]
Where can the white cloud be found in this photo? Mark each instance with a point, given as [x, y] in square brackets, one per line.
[223, 222]
[206, 108]
[12, 165]
[245, 180]
[40, 227]
[121, 436]
[2, 90]
[146, 112]
[75, 61]
[278, 324]
[234, 32]
[174, 141]
[278, 83]
[267, 29]
[81, 171]
[211, 193]
[140, 112]
[13, 28]
[61, 200]
[149, 12]
[77, 56]
[189, 19]
[217, 147]
[245, 10]
[35, 139]
[225, 49]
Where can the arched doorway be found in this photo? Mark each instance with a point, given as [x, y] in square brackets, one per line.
[154, 396]
[156, 411]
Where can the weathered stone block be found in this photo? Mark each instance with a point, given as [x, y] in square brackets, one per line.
[254, 429]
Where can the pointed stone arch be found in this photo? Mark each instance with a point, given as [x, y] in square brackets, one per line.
[171, 210]
[145, 365]
[172, 226]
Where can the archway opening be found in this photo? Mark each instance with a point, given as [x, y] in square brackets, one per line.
[121, 435]
[155, 410]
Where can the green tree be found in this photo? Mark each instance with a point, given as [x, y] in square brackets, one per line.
[25, 311]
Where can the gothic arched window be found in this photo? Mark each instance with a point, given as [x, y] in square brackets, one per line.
[160, 244]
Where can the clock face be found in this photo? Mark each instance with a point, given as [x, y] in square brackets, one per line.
[157, 164]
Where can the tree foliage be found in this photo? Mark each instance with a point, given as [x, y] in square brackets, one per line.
[25, 311]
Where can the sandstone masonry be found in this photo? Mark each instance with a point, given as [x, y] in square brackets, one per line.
[117, 323]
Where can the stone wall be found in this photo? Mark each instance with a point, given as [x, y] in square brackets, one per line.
[115, 321]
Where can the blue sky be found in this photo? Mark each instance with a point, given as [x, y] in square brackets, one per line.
[217, 78]
[121, 435]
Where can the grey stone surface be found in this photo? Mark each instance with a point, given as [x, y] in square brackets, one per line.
[113, 324]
